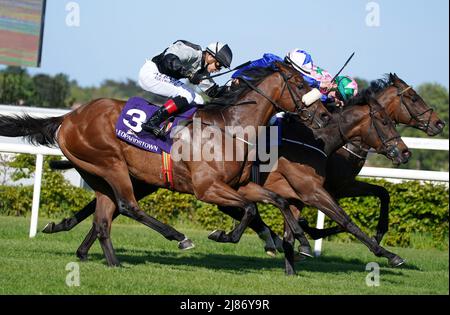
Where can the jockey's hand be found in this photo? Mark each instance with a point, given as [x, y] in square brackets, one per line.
[196, 78]
[326, 85]
[235, 81]
[339, 103]
[213, 91]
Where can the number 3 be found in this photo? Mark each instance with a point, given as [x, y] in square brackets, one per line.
[138, 117]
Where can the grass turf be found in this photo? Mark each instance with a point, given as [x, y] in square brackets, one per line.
[153, 265]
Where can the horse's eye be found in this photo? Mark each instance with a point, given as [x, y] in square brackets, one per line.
[301, 86]
[414, 98]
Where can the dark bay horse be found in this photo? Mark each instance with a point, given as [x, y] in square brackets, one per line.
[87, 138]
[404, 106]
[301, 172]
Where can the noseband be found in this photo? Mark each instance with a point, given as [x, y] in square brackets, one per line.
[414, 116]
[362, 146]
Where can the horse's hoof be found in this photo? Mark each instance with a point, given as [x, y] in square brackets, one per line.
[396, 261]
[305, 251]
[48, 229]
[271, 252]
[218, 236]
[114, 264]
[82, 256]
[290, 273]
[186, 244]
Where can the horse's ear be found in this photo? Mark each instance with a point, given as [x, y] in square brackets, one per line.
[391, 77]
[395, 76]
[281, 66]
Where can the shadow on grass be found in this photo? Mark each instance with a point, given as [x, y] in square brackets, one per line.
[241, 264]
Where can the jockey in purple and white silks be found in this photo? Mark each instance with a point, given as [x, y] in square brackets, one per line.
[338, 91]
[161, 77]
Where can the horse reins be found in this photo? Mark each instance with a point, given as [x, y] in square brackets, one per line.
[383, 139]
[298, 107]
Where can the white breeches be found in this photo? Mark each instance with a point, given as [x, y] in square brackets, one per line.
[151, 80]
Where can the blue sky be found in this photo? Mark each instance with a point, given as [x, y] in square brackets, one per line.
[115, 36]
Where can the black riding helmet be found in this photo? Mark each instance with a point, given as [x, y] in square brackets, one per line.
[221, 52]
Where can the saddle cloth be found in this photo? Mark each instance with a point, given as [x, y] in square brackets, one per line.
[136, 111]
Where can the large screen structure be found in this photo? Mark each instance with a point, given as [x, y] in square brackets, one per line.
[21, 32]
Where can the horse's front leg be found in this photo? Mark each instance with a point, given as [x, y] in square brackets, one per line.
[315, 233]
[322, 200]
[293, 231]
[359, 189]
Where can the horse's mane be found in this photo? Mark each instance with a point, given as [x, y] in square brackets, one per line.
[373, 89]
[237, 91]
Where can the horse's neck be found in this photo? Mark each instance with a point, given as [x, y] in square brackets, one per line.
[386, 99]
[255, 110]
[341, 128]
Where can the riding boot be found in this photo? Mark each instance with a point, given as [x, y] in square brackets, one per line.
[172, 106]
[152, 124]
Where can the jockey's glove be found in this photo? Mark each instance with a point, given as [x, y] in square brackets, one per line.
[212, 91]
[196, 78]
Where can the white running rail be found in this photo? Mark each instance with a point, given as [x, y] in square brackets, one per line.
[389, 173]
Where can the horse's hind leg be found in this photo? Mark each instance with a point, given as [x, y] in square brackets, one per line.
[89, 240]
[141, 190]
[102, 225]
[221, 194]
[296, 207]
[288, 246]
[69, 223]
[127, 205]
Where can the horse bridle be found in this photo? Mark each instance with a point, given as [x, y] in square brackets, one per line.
[414, 116]
[299, 110]
[390, 150]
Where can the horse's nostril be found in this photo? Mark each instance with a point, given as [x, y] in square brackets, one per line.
[325, 117]
[406, 154]
[440, 124]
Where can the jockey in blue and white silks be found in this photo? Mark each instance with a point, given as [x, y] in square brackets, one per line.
[315, 76]
[268, 60]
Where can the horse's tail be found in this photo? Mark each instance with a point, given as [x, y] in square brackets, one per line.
[35, 130]
[61, 165]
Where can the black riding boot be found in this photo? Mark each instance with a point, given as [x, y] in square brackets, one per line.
[176, 105]
[152, 124]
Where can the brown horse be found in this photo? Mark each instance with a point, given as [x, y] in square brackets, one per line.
[87, 138]
[402, 104]
[307, 168]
